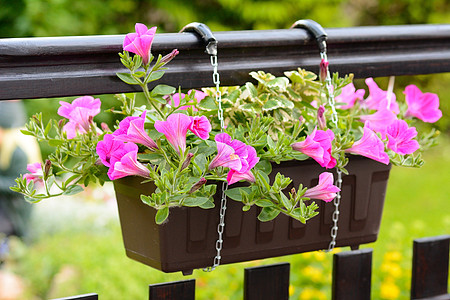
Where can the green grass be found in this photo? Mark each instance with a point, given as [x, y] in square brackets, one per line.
[74, 261]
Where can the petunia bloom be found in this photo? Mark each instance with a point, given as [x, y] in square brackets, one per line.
[401, 138]
[317, 145]
[80, 114]
[140, 42]
[234, 176]
[128, 165]
[200, 126]
[379, 121]
[237, 156]
[229, 155]
[35, 174]
[349, 95]
[379, 99]
[131, 129]
[424, 106]
[175, 129]
[370, 146]
[111, 150]
[325, 190]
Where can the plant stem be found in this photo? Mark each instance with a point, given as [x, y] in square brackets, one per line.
[148, 97]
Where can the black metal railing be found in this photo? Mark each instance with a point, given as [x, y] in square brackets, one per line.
[67, 66]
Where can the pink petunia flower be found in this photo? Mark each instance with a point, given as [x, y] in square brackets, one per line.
[200, 126]
[235, 155]
[175, 129]
[35, 174]
[370, 146]
[349, 95]
[80, 114]
[401, 138]
[131, 129]
[424, 106]
[111, 150]
[128, 165]
[379, 121]
[234, 176]
[325, 190]
[317, 145]
[379, 99]
[140, 42]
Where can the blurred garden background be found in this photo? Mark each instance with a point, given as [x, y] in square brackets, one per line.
[74, 246]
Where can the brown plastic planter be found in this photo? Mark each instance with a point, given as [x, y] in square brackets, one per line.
[187, 240]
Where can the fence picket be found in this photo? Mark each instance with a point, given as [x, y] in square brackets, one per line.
[352, 273]
[178, 290]
[430, 268]
[267, 282]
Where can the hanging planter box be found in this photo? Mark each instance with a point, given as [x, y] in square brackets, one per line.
[187, 240]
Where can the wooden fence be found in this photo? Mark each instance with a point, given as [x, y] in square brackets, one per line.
[352, 274]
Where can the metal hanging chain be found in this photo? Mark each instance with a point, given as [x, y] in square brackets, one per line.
[334, 119]
[317, 31]
[211, 48]
[223, 198]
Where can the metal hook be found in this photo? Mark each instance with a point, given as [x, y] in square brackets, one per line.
[314, 29]
[206, 35]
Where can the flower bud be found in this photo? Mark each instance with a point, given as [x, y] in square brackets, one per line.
[167, 58]
[187, 161]
[294, 193]
[47, 166]
[61, 124]
[105, 127]
[323, 69]
[321, 117]
[198, 185]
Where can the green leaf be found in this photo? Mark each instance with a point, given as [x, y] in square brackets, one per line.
[26, 132]
[264, 203]
[195, 201]
[208, 103]
[72, 190]
[265, 166]
[162, 89]
[279, 82]
[251, 88]
[153, 76]
[268, 214]
[127, 78]
[161, 215]
[208, 204]
[271, 104]
[235, 193]
[55, 143]
[285, 201]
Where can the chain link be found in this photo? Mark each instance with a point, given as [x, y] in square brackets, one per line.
[223, 198]
[334, 119]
